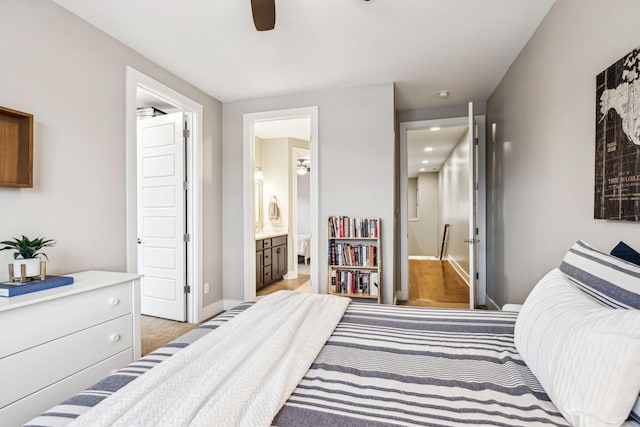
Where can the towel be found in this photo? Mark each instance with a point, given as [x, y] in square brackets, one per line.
[274, 210]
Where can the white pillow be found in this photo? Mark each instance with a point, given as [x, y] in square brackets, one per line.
[585, 355]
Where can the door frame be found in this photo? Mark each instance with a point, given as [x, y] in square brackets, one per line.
[194, 167]
[293, 209]
[403, 291]
[248, 121]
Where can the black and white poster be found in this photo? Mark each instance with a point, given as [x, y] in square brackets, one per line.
[617, 174]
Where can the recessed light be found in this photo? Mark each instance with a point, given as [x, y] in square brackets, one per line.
[424, 162]
[434, 129]
[422, 169]
[428, 149]
[443, 93]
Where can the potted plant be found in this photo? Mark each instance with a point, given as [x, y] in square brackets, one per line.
[27, 252]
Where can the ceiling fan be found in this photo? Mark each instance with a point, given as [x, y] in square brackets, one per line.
[264, 14]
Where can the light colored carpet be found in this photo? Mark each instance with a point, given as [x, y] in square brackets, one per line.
[157, 332]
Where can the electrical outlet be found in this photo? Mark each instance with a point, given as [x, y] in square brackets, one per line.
[206, 287]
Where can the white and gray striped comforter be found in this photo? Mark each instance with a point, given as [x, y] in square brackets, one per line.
[387, 365]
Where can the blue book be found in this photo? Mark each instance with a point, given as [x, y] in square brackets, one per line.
[8, 289]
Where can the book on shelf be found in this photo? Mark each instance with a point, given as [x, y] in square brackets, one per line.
[355, 282]
[346, 227]
[375, 284]
[10, 289]
[352, 255]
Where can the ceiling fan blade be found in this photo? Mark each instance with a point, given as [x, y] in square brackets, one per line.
[264, 14]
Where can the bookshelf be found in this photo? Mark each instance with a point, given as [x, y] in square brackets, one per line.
[355, 257]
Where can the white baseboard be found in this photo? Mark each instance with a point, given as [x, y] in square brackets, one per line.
[491, 304]
[210, 310]
[461, 271]
[423, 257]
[228, 304]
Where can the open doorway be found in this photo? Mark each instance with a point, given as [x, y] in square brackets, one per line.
[279, 145]
[441, 213]
[164, 195]
[282, 156]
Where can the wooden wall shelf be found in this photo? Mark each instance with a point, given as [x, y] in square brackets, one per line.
[16, 148]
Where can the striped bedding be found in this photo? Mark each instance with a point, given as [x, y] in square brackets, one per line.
[388, 366]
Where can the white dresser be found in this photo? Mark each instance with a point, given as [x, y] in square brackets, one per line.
[57, 342]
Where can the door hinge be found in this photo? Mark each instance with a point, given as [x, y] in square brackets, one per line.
[187, 289]
[477, 231]
[186, 133]
[186, 186]
[475, 134]
[477, 276]
[187, 237]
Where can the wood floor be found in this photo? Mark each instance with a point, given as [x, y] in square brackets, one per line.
[434, 283]
[301, 284]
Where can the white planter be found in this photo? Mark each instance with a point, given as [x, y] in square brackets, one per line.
[33, 267]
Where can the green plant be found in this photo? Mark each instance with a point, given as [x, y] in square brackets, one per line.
[27, 248]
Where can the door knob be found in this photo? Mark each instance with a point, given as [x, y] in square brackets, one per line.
[139, 241]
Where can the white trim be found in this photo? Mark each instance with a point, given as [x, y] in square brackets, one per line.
[211, 310]
[464, 274]
[228, 304]
[423, 257]
[491, 303]
[135, 79]
[249, 243]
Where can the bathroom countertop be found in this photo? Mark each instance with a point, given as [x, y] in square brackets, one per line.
[269, 234]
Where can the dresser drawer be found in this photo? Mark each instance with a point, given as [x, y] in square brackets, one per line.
[37, 367]
[266, 257]
[22, 411]
[280, 240]
[266, 243]
[48, 320]
[267, 275]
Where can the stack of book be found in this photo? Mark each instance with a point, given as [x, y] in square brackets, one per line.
[11, 289]
[343, 226]
[352, 255]
[355, 282]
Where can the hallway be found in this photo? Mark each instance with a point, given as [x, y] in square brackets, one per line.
[435, 283]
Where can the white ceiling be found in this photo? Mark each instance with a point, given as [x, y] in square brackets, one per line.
[423, 46]
[441, 142]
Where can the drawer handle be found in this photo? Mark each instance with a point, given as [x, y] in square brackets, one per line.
[115, 337]
[114, 301]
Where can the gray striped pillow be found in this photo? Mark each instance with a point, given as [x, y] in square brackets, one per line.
[610, 280]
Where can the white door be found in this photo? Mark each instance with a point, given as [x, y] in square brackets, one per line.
[473, 209]
[161, 216]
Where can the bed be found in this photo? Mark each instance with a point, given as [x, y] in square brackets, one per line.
[388, 366]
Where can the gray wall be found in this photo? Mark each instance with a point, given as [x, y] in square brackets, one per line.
[454, 204]
[355, 170]
[304, 204]
[71, 76]
[541, 160]
[423, 232]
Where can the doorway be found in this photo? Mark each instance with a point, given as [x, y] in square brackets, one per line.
[273, 215]
[442, 242]
[164, 195]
